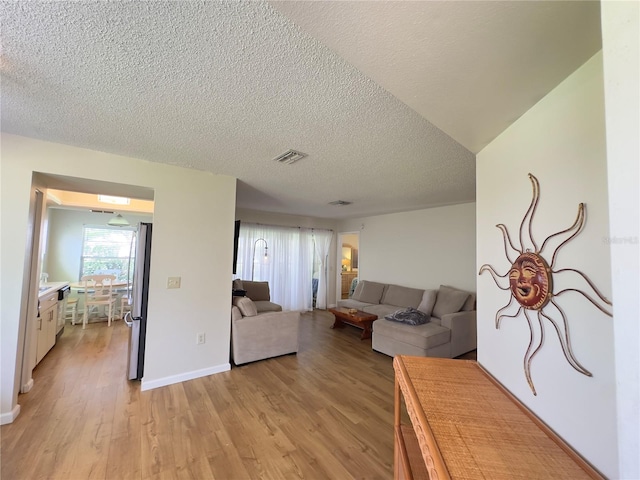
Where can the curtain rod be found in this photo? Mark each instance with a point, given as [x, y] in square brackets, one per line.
[283, 226]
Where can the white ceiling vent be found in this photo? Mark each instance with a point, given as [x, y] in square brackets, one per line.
[290, 156]
[93, 210]
[340, 202]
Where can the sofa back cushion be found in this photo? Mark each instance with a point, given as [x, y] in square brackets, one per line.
[246, 306]
[368, 292]
[428, 301]
[402, 296]
[257, 291]
[470, 304]
[449, 300]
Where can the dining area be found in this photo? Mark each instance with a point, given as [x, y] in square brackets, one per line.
[98, 298]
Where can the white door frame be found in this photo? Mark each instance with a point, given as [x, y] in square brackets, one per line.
[339, 242]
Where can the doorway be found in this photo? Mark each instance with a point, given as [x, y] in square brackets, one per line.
[348, 256]
[65, 206]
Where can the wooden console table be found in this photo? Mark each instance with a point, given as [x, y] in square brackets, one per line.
[465, 425]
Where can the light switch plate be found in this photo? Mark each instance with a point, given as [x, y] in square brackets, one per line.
[173, 282]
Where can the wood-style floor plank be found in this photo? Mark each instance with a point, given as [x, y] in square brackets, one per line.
[326, 412]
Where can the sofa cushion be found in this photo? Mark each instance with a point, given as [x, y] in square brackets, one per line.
[368, 292]
[235, 313]
[237, 284]
[266, 306]
[449, 300]
[428, 301]
[424, 336]
[351, 303]
[410, 316]
[257, 291]
[402, 296]
[246, 306]
[380, 310]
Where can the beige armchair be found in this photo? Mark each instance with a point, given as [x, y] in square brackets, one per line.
[257, 336]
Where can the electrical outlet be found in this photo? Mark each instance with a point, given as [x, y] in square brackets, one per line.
[173, 282]
[200, 339]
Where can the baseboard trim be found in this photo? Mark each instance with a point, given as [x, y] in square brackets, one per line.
[9, 417]
[26, 388]
[183, 377]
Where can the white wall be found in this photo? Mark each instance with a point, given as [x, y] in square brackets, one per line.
[64, 244]
[620, 34]
[192, 238]
[420, 249]
[561, 141]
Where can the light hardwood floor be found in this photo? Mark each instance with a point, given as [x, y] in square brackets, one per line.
[326, 412]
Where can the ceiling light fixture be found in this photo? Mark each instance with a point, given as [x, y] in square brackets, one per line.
[340, 202]
[118, 221]
[290, 156]
[114, 200]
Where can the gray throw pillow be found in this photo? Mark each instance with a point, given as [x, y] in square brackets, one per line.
[450, 300]
[410, 316]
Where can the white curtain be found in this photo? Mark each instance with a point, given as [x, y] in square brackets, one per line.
[287, 266]
[322, 244]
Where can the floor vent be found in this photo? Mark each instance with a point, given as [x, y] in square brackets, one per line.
[290, 156]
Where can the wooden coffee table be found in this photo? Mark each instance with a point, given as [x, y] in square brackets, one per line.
[359, 319]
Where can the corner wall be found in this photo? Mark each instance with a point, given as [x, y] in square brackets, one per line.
[561, 140]
[620, 45]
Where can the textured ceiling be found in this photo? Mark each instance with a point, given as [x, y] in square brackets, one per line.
[471, 68]
[227, 86]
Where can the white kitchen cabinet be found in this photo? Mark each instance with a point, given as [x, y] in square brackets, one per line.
[46, 325]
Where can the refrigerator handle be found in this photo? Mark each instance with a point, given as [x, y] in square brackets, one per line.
[129, 323]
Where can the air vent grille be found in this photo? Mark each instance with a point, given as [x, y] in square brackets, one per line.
[102, 211]
[290, 156]
[340, 202]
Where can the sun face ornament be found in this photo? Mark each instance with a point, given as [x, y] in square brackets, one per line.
[531, 286]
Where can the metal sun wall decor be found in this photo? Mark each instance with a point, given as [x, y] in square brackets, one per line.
[531, 285]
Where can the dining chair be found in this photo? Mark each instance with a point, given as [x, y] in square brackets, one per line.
[98, 291]
[71, 310]
[125, 305]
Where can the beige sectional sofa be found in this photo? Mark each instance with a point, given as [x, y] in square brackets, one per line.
[259, 327]
[450, 332]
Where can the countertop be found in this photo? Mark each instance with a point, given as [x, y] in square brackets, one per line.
[50, 287]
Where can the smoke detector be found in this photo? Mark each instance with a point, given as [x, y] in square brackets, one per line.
[290, 156]
[340, 202]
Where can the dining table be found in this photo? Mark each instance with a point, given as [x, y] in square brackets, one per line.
[121, 285]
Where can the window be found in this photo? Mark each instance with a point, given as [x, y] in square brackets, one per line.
[107, 251]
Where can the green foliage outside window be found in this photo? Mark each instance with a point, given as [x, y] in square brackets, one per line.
[106, 250]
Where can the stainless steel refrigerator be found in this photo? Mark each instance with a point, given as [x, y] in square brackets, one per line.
[136, 319]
